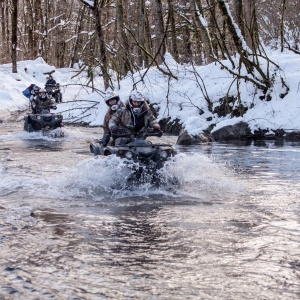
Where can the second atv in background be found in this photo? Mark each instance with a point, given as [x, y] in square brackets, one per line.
[53, 89]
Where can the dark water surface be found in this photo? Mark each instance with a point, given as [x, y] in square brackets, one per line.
[71, 229]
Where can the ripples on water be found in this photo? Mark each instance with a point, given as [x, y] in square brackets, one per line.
[216, 228]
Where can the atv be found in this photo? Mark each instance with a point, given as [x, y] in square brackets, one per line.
[43, 121]
[142, 157]
[53, 90]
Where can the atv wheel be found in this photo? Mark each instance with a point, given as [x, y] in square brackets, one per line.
[30, 128]
[58, 98]
[94, 148]
[26, 124]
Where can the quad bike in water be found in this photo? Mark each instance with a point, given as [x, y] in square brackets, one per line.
[44, 121]
[142, 157]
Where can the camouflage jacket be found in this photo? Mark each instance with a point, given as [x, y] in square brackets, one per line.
[107, 117]
[125, 118]
[40, 104]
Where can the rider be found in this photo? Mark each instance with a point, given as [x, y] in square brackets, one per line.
[50, 81]
[42, 101]
[113, 102]
[34, 95]
[135, 116]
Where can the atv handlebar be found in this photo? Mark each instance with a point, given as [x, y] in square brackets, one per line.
[152, 132]
[140, 134]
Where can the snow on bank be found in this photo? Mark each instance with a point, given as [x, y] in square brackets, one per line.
[183, 96]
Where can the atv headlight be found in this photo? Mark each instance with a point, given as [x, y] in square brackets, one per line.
[129, 155]
[38, 117]
[164, 154]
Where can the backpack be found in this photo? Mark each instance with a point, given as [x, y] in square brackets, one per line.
[27, 91]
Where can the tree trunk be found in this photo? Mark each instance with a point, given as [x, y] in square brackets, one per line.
[141, 33]
[3, 27]
[282, 25]
[239, 8]
[174, 49]
[14, 35]
[237, 39]
[213, 25]
[187, 54]
[206, 36]
[44, 28]
[124, 45]
[79, 25]
[159, 43]
[103, 57]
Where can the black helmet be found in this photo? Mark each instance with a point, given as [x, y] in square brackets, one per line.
[111, 95]
[138, 97]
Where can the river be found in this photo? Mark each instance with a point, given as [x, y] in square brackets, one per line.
[71, 229]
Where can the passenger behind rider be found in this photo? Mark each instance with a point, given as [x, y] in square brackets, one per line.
[43, 101]
[113, 102]
[34, 95]
[135, 116]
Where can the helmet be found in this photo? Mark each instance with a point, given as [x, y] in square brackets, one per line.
[136, 96]
[43, 94]
[111, 95]
[36, 89]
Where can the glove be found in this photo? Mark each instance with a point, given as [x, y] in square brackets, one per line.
[156, 129]
[114, 129]
[53, 107]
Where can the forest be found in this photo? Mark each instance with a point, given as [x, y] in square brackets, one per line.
[121, 37]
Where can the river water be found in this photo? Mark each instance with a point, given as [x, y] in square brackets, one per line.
[224, 224]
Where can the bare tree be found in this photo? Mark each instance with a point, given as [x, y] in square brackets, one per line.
[173, 31]
[283, 9]
[14, 35]
[125, 65]
[159, 46]
[78, 40]
[239, 12]
[97, 15]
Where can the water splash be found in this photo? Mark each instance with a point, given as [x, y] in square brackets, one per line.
[107, 177]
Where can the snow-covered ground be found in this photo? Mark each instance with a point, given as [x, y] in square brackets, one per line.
[182, 97]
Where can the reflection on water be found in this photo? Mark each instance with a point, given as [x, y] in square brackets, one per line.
[70, 230]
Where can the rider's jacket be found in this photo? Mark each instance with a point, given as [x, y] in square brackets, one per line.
[41, 104]
[126, 118]
[50, 82]
[108, 116]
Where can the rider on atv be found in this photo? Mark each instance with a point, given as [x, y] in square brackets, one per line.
[33, 96]
[135, 116]
[50, 82]
[113, 102]
[42, 101]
